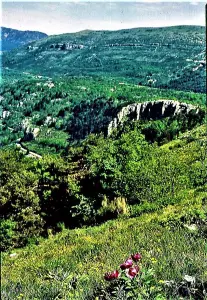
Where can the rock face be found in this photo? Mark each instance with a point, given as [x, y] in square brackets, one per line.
[5, 114]
[49, 121]
[66, 46]
[30, 132]
[153, 110]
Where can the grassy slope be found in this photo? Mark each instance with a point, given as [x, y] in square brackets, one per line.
[46, 270]
[88, 253]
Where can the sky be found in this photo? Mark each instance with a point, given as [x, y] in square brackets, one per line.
[63, 17]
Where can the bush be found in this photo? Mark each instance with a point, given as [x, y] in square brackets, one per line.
[7, 234]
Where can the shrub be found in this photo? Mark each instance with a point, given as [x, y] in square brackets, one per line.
[7, 234]
[111, 209]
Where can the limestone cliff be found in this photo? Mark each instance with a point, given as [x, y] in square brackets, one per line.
[153, 110]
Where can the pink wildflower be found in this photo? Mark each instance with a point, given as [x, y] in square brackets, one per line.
[110, 276]
[127, 264]
[136, 256]
[132, 272]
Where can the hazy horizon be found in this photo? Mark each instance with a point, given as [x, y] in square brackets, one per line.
[68, 17]
[102, 29]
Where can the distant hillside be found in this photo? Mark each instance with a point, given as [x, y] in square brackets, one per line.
[160, 57]
[12, 38]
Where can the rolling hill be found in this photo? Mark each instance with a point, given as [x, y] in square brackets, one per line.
[13, 38]
[169, 57]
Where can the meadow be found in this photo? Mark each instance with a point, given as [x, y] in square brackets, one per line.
[72, 264]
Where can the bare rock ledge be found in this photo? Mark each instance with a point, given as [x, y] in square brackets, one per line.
[153, 110]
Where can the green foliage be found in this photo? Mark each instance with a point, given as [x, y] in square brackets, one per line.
[19, 201]
[108, 160]
[141, 172]
[102, 179]
[48, 141]
[91, 116]
[57, 190]
[84, 212]
[42, 194]
[7, 234]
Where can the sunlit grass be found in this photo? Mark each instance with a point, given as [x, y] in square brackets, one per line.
[47, 270]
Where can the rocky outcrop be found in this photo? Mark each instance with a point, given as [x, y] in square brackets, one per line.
[49, 121]
[30, 132]
[5, 114]
[153, 110]
[66, 46]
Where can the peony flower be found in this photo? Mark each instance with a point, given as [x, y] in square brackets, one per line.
[110, 276]
[132, 272]
[127, 264]
[136, 256]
